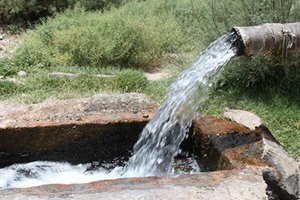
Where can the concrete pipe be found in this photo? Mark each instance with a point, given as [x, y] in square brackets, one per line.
[268, 39]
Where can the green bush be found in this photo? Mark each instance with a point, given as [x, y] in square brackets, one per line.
[20, 11]
[141, 33]
[130, 81]
[13, 11]
[95, 4]
[79, 38]
[260, 73]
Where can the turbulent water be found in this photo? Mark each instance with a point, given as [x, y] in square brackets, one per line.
[42, 173]
[158, 143]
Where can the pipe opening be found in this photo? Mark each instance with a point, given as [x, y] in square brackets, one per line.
[238, 43]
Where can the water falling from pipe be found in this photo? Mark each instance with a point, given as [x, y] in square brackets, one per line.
[160, 140]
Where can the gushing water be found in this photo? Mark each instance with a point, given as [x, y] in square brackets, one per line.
[160, 140]
[158, 143]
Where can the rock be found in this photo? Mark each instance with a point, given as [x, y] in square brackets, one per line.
[104, 76]
[76, 130]
[225, 185]
[284, 180]
[2, 37]
[223, 145]
[243, 117]
[13, 80]
[22, 73]
[64, 75]
[70, 75]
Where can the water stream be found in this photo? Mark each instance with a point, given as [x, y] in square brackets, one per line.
[158, 143]
[160, 140]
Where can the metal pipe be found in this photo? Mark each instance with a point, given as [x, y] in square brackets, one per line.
[268, 39]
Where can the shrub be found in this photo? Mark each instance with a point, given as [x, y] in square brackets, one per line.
[23, 10]
[130, 81]
[141, 33]
[94, 4]
[260, 72]
[13, 11]
[97, 39]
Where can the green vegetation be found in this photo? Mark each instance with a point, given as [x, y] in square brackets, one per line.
[21, 12]
[88, 38]
[131, 81]
[6, 69]
[80, 38]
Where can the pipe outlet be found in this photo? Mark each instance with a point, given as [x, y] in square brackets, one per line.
[268, 39]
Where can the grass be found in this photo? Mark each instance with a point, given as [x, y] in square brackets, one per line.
[38, 85]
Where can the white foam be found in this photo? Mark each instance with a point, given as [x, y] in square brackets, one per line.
[42, 173]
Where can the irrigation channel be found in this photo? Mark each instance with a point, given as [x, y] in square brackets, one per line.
[159, 142]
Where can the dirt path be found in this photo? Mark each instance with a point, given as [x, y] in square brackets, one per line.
[158, 74]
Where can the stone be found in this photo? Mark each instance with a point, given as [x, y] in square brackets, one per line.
[64, 75]
[12, 79]
[70, 75]
[76, 130]
[224, 145]
[243, 117]
[284, 179]
[104, 76]
[223, 185]
[22, 73]
[105, 129]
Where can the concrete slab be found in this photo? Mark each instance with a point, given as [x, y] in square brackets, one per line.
[244, 184]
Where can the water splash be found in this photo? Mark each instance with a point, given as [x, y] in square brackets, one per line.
[42, 173]
[160, 140]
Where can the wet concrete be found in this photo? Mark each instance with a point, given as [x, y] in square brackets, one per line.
[77, 131]
[225, 185]
[105, 127]
[224, 145]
